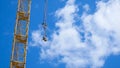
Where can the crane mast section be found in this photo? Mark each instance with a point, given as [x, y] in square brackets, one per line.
[20, 41]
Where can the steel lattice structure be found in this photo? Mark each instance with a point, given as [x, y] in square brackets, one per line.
[20, 41]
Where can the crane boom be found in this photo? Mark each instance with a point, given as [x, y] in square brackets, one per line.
[19, 47]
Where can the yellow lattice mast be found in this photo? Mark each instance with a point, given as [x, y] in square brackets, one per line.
[18, 57]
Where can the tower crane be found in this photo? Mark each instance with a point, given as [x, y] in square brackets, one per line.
[18, 58]
[20, 41]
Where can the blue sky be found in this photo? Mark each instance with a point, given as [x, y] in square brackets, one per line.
[89, 10]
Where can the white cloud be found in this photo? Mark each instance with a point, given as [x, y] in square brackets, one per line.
[101, 36]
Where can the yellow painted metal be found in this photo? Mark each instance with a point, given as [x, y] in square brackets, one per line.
[18, 57]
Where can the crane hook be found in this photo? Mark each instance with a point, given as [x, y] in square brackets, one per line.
[44, 24]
